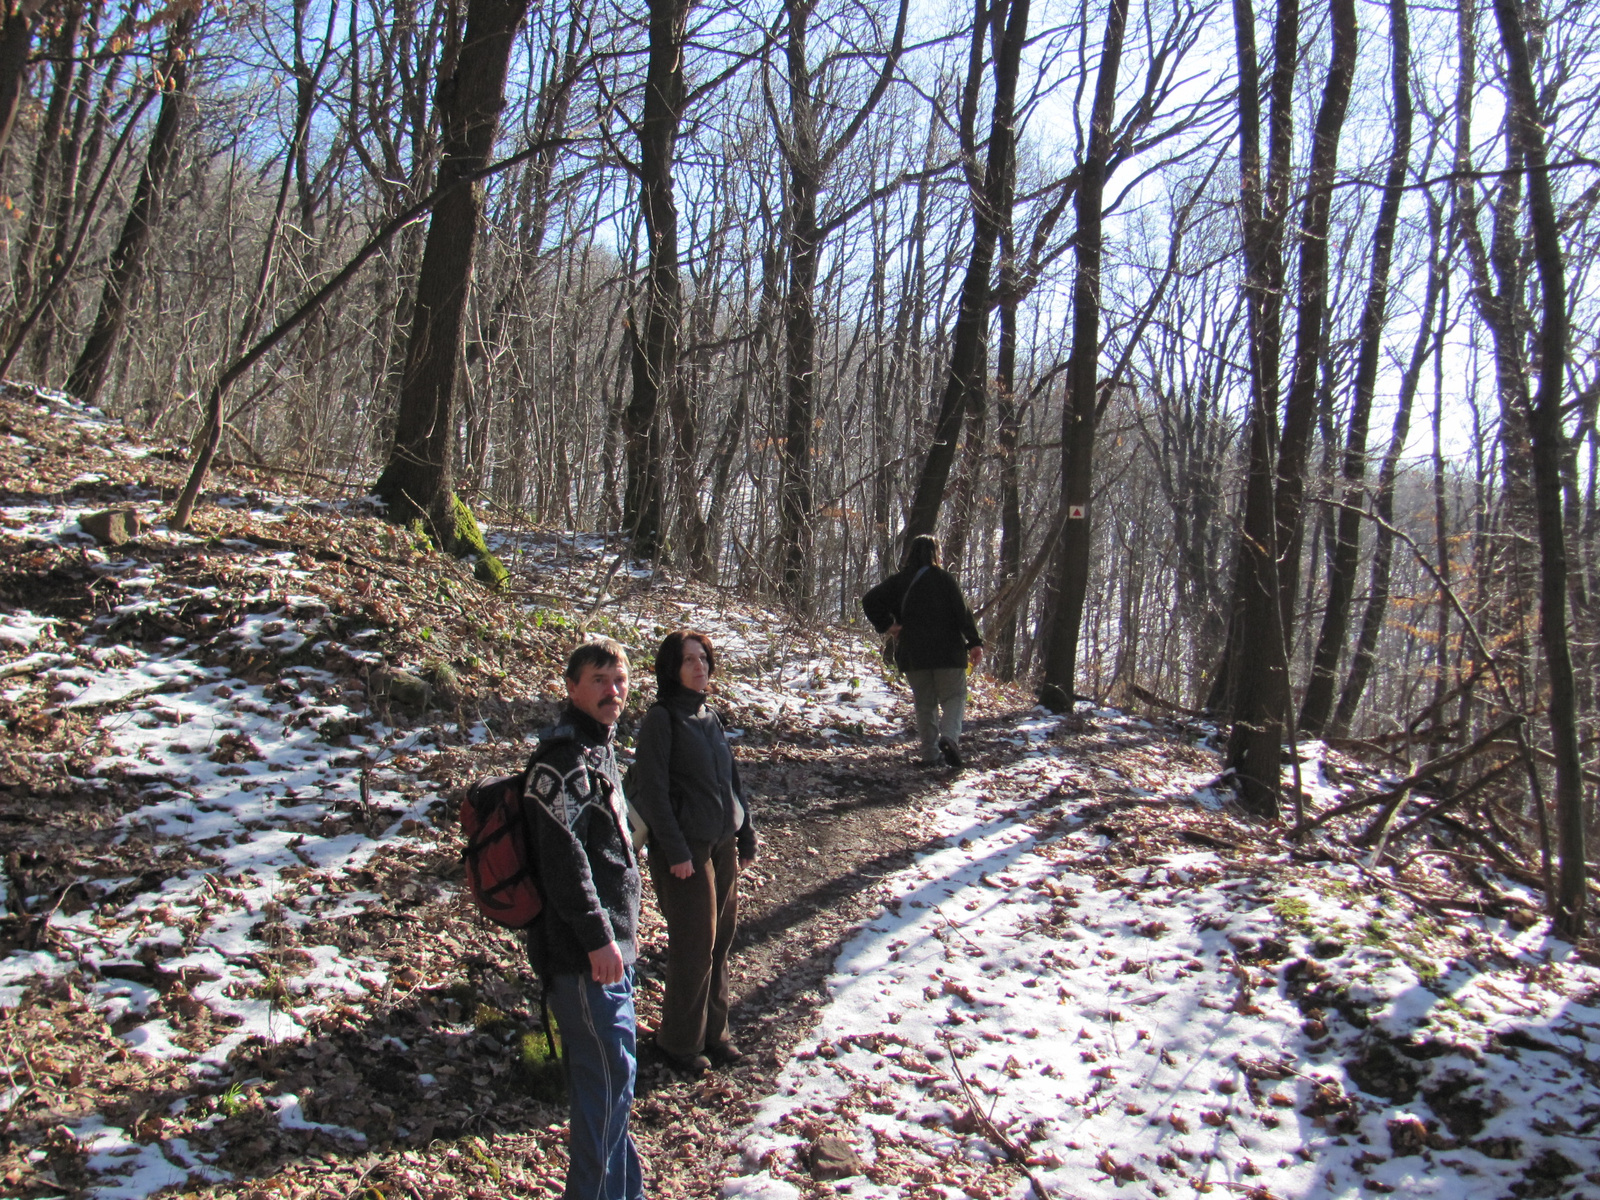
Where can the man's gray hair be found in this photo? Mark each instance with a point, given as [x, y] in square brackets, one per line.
[597, 652]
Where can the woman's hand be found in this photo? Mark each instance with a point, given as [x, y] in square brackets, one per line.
[682, 870]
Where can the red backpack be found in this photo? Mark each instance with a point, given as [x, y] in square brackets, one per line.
[501, 874]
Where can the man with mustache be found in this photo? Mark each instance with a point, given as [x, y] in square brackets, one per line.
[582, 942]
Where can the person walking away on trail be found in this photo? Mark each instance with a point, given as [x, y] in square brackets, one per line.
[685, 785]
[582, 943]
[936, 641]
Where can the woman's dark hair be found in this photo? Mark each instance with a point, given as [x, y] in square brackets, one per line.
[922, 552]
[669, 658]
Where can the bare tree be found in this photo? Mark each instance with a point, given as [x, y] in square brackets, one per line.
[127, 260]
[809, 156]
[1343, 560]
[1006, 21]
[1549, 449]
[417, 482]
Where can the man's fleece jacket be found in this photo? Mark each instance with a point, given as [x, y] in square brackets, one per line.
[588, 875]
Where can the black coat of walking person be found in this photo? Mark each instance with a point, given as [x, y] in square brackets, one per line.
[936, 640]
[685, 784]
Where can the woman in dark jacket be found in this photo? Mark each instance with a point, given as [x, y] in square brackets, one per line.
[685, 785]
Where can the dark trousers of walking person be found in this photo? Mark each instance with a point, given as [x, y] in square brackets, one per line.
[700, 912]
[596, 1022]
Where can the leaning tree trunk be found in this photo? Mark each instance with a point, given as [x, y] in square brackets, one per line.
[655, 341]
[968, 358]
[1079, 415]
[1343, 561]
[417, 480]
[127, 260]
[1549, 446]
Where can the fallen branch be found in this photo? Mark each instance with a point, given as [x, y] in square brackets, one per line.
[1465, 793]
[1428, 769]
[989, 1128]
[31, 665]
[1150, 697]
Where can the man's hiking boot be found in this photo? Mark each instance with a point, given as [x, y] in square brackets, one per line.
[952, 756]
[724, 1054]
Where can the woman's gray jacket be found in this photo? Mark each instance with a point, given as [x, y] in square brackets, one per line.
[684, 781]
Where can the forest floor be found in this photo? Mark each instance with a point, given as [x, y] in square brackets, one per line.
[235, 961]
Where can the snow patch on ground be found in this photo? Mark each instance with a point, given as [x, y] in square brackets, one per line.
[1134, 1026]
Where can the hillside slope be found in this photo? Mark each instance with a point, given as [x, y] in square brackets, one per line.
[235, 960]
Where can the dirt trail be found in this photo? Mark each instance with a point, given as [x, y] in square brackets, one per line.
[833, 823]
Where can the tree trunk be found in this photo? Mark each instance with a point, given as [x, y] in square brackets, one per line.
[1256, 675]
[1008, 423]
[417, 481]
[1265, 205]
[127, 260]
[1343, 560]
[1300, 405]
[655, 343]
[1079, 416]
[809, 163]
[803, 160]
[1549, 448]
[1365, 656]
[27, 271]
[968, 358]
[16, 39]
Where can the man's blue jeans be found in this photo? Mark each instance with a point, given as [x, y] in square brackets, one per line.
[598, 1032]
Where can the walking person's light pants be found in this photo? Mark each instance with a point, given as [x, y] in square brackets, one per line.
[939, 698]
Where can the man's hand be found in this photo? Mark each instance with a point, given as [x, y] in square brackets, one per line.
[682, 870]
[893, 630]
[974, 655]
[605, 964]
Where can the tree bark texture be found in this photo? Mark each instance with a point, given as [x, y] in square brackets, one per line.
[418, 479]
[1300, 405]
[1256, 687]
[1264, 203]
[803, 159]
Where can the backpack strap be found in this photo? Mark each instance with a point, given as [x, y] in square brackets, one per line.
[905, 595]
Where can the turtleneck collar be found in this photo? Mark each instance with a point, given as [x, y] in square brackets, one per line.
[587, 726]
[681, 699]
